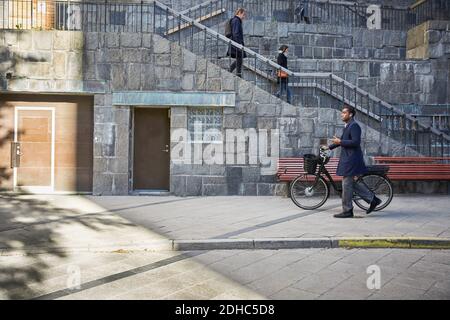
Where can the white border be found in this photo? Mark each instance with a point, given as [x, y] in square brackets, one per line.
[37, 189]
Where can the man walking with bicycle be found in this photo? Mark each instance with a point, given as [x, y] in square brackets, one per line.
[351, 164]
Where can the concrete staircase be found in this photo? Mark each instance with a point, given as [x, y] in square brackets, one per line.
[379, 114]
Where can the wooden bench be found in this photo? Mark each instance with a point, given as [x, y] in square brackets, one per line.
[290, 168]
[400, 168]
[416, 168]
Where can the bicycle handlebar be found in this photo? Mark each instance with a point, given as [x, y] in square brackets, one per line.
[324, 153]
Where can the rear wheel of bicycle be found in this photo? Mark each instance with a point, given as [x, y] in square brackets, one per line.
[381, 186]
[307, 194]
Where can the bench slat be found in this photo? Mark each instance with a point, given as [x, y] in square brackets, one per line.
[400, 168]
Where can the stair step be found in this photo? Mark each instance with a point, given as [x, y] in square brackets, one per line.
[200, 19]
[322, 81]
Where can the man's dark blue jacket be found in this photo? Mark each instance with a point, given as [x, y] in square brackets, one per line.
[237, 35]
[351, 162]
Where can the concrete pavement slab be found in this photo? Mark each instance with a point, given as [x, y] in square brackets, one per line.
[113, 246]
[294, 294]
[274, 217]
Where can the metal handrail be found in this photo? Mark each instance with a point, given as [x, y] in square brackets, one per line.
[322, 81]
[298, 74]
[199, 6]
[397, 18]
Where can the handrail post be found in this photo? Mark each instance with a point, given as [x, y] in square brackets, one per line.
[192, 37]
[106, 4]
[217, 46]
[429, 141]
[167, 22]
[179, 29]
[331, 83]
[256, 74]
[142, 15]
[416, 135]
[154, 17]
[204, 45]
[31, 13]
[381, 126]
[368, 109]
[404, 130]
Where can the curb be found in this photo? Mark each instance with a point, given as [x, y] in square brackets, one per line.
[119, 247]
[395, 242]
[311, 243]
[252, 244]
[246, 244]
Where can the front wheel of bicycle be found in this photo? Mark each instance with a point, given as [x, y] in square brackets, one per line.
[381, 186]
[308, 194]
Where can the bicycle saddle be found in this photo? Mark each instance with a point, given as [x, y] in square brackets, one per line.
[380, 169]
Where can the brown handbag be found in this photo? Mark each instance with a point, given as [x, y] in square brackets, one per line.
[282, 74]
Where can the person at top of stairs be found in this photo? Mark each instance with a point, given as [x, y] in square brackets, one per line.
[301, 12]
[237, 35]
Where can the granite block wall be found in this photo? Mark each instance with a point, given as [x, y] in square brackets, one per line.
[100, 64]
[374, 60]
[397, 82]
[325, 41]
[430, 40]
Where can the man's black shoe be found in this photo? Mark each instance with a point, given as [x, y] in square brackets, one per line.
[375, 202]
[348, 214]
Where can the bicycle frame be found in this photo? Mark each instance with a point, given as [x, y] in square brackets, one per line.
[322, 174]
[323, 170]
[329, 179]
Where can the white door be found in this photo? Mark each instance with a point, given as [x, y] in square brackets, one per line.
[34, 137]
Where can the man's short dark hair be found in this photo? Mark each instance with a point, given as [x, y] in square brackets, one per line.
[350, 109]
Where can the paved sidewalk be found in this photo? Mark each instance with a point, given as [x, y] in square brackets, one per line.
[276, 217]
[35, 223]
[46, 240]
[229, 274]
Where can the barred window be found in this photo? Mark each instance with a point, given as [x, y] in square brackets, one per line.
[205, 125]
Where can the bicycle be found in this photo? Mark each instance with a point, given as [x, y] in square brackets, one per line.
[311, 190]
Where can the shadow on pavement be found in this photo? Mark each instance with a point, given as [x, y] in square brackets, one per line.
[26, 223]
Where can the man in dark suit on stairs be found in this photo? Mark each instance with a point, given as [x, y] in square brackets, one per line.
[237, 35]
[351, 164]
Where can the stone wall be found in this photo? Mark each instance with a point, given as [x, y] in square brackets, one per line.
[324, 41]
[103, 63]
[100, 64]
[374, 60]
[43, 61]
[397, 82]
[320, 12]
[430, 40]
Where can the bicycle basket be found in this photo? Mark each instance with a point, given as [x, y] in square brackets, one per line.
[310, 162]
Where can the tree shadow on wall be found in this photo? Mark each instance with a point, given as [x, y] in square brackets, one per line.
[10, 59]
[5, 140]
